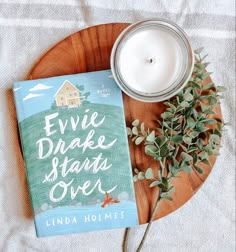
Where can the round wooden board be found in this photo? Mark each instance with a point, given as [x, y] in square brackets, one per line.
[89, 50]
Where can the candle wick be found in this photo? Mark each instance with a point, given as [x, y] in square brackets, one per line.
[151, 60]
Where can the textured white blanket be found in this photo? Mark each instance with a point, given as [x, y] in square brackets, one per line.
[28, 28]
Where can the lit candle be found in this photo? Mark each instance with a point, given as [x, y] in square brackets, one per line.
[152, 60]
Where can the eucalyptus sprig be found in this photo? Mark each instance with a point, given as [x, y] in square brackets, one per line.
[185, 137]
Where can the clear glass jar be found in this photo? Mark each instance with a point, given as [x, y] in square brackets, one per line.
[172, 60]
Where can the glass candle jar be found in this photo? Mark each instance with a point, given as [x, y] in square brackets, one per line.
[152, 60]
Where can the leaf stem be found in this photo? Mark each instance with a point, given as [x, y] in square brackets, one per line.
[162, 168]
[176, 151]
[196, 109]
[125, 240]
[150, 222]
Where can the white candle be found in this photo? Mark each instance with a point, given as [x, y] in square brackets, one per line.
[152, 60]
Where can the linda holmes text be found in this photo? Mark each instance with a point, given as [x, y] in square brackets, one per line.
[88, 218]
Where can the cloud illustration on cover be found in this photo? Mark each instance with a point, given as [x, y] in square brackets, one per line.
[30, 96]
[40, 87]
[15, 89]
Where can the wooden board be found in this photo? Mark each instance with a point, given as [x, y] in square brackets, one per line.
[89, 50]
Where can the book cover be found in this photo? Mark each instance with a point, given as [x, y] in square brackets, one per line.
[76, 154]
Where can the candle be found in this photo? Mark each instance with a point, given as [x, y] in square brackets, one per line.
[152, 60]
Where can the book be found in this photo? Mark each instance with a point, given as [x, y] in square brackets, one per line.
[76, 155]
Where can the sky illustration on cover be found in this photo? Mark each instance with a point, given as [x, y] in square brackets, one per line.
[38, 95]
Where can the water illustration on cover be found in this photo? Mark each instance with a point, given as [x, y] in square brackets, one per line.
[75, 148]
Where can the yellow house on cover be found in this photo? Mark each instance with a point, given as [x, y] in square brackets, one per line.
[68, 95]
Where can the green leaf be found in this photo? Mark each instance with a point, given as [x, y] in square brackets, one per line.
[171, 106]
[206, 64]
[205, 75]
[220, 88]
[151, 137]
[188, 97]
[155, 183]
[199, 124]
[191, 149]
[212, 100]
[171, 147]
[135, 123]
[184, 104]
[195, 158]
[161, 131]
[204, 155]
[219, 97]
[183, 147]
[174, 171]
[164, 151]
[177, 139]
[204, 57]
[177, 99]
[190, 122]
[187, 140]
[204, 107]
[139, 140]
[208, 86]
[196, 94]
[141, 175]
[200, 143]
[195, 114]
[195, 84]
[136, 170]
[160, 140]
[135, 131]
[175, 162]
[219, 125]
[133, 139]
[142, 128]
[209, 112]
[149, 174]
[205, 161]
[217, 132]
[198, 169]
[150, 149]
[171, 190]
[185, 156]
[199, 66]
[163, 187]
[129, 131]
[177, 118]
[187, 169]
[199, 50]
[215, 138]
[135, 178]
[209, 121]
[167, 115]
[213, 153]
[194, 134]
[166, 125]
[166, 197]
[164, 181]
[201, 129]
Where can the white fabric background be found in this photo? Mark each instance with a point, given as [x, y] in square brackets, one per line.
[28, 28]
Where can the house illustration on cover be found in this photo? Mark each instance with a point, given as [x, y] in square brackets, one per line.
[68, 95]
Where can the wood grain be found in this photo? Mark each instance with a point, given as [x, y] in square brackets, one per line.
[89, 50]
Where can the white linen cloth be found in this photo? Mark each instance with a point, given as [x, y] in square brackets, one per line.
[28, 28]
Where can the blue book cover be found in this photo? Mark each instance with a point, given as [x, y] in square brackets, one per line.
[76, 154]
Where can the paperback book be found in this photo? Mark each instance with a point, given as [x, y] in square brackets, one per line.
[76, 155]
